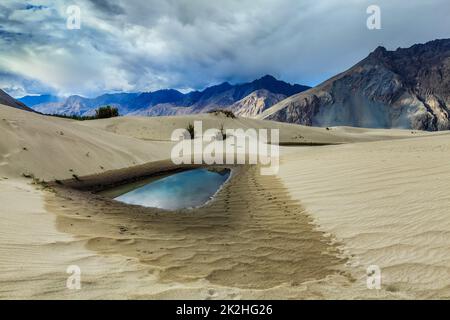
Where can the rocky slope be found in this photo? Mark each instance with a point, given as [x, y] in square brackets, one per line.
[405, 88]
[255, 103]
[7, 100]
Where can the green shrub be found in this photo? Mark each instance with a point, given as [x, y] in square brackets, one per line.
[227, 113]
[190, 129]
[106, 112]
[100, 113]
[73, 117]
[222, 132]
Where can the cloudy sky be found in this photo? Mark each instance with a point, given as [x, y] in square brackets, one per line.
[131, 45]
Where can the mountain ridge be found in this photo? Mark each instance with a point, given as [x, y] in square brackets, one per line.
[403, 88]
[7, 100]
[170, 101]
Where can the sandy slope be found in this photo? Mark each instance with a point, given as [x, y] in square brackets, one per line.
[54, 148]
[35, 255]
[161, 128]
[383, 202]
[387, 202]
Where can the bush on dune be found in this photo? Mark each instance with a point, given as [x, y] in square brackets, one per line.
[106, 112]
[100, 113]
[190, 129]
[227, 113]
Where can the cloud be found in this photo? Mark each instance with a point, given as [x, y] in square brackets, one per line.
[189, 44]
[108, 7]
[19, 86]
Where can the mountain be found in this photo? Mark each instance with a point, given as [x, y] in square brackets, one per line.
[148, 99]
[171, 102]
[256, 102]
[225, 94]
[405, 88]
[7, 100]
[31, 101]
[78, 105]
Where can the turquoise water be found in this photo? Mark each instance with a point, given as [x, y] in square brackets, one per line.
[186, 189]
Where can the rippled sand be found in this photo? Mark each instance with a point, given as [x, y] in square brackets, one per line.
[388, 203]
[308, 233]
[249, 237]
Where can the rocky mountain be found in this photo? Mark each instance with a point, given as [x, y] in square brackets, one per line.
[405, 88]
[77, 105]
[225, 95]
[170, 102]
[7, 100]
[255, 103]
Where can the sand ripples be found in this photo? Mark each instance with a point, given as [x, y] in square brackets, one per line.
[253, 235]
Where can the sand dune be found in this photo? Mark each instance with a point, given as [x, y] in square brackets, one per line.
[161, 128]
[388, 203]
[309, 232]
[53, 148]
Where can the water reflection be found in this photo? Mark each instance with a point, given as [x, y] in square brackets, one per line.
[181, 190]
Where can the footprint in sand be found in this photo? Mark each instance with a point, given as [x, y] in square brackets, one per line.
[12, 124]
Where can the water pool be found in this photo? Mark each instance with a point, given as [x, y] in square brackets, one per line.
[185, 189]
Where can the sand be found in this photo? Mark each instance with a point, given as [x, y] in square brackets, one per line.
[161, 128]
[374, 197]
[388, 203]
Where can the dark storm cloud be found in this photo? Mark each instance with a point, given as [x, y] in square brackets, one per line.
[185, 44]
[108, 7]
[34, 7]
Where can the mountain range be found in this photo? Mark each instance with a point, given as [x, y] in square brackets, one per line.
[405, 88]
[240, 97]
